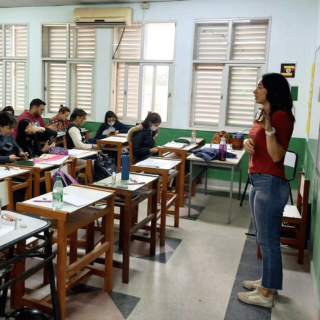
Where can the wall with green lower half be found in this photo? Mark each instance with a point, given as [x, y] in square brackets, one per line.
[166, 135]
[313, 175]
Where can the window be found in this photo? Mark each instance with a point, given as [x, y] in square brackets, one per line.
[68, 55]
[229, 58]
[143, 60]
[13, 66]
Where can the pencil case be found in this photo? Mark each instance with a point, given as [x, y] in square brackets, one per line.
[24, 163]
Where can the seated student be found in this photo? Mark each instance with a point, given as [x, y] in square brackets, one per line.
[61, 119]
[29, 135]
[34, 114]
[9, 149]
[74, 136]
[110, 127]
[9, 109]
[142, 137]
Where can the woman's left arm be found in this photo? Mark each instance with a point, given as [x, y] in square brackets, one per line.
[276, 152]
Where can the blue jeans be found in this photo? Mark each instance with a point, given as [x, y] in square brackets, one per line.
[268, 197]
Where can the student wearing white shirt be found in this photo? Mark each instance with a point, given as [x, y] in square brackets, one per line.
[74, 136]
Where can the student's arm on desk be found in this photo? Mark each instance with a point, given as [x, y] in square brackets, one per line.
[76, 139]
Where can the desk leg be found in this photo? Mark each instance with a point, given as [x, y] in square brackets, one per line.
[181, 179]
[119, 147]
[28, 191]
[36, 186]
[153, 229]
[240, 181]
[108, 227]
[190, 186]
[163, 210]
[62, 267]
[230, 196]
[126, 239]
[206, 185]
[54, 298]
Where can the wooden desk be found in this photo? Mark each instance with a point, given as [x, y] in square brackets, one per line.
[164, 166]
[69, 220]
[37, 171]
[118, 142]
[7, 187]
[198, 166]
[128, 223]
[179, 153]
[16, 238]
[199, 141]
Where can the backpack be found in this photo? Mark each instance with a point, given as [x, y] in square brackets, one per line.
[66, 179]
[104, 166]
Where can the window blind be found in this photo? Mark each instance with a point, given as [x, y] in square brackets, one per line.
[207, 94]
[132, 92]
[119, 103]
[241, 103]
[57, 42]
[84, 86]
[82, 43]
[16, 39]
[56, 86]
[249, 42]
[212, 41]
[130, 46]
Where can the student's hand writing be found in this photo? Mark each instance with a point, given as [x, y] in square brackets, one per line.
[153, 150]
[116, 132]
[249, 146]
[47, 146]
[13, 157]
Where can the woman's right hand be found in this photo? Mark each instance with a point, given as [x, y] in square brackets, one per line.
[33, 128]
[154, 150]
[13, 157]
[249, 146]
[47, 146]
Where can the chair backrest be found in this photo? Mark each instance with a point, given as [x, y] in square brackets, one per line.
[291, 160]
[48, 175]
[130, 153]
[303, 196]
[64, 139]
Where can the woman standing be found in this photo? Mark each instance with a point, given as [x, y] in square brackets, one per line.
[267, 145]
[61, 119]
[74, 136]
[111, 126]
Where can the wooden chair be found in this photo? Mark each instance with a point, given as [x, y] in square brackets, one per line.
[290, 161]
[296, 218]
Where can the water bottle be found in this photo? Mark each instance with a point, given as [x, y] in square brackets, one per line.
[57, 194]
[113, 178]
[223, 149]
[193, 137]
[125, 167]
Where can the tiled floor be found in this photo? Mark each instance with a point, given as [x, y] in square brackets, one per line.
[196, 276]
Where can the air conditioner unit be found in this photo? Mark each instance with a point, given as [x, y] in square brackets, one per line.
[103, 17]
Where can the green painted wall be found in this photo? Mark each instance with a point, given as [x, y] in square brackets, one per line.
[166, 135]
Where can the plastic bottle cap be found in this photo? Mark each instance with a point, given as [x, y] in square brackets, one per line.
[58, 178]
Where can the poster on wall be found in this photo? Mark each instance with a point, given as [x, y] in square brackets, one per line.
[288, 69]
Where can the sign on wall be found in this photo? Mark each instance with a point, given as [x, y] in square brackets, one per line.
[288, 70]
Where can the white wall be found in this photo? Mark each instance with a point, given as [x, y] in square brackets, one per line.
[293, 35]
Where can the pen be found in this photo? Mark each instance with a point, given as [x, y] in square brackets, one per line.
[6, 218]
[42, 201]
[135, 183]
[133, 180]
[12, 217]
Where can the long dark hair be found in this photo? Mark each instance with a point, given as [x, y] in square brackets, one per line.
[21, 133]
[6, 119]
[77, 113]
[109, 114]
[279, 93]
[152, 117]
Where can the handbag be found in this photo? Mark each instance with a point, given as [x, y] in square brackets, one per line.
[58, 150]
[66, 179]
[104, 166]
[217, 137]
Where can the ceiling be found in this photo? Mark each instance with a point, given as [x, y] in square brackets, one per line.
[42, 3]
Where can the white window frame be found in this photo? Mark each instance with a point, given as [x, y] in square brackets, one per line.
[5, 59]
[222, 125]
[69, 61]
[143, 62]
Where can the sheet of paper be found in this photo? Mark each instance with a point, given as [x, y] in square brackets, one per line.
[56, 160]
[116, 139]
[175, 145]
[5, 229]
[152, 163]
[75, 200]
[75, 152]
